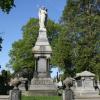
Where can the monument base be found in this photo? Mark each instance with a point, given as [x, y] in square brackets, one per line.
[88, 92]
[41, 93]
[42, 87]
[87, 97]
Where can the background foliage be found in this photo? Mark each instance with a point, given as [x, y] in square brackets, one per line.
[6, 5]
[78, 46]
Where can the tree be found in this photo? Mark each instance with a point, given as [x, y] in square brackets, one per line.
[6, 5]
[63, 48]
[83, 22]
[88, 37]
[21, 52]
[62, 53]
[81, 19]
[4, 80]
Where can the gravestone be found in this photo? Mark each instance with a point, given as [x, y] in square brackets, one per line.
[42, 84]
[68, 93]
[15, 94]
[85, 84]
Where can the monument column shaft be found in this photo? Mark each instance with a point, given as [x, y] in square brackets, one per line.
[42, 68]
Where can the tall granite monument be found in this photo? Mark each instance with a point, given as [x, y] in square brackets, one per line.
[42, 84]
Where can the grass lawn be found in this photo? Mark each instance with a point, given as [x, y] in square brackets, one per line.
[41, 98]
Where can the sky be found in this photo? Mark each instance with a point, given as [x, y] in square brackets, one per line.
[11, 24]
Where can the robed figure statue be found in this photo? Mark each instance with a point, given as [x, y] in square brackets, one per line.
[42, 17]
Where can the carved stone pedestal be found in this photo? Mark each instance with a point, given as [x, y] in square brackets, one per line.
[85, 84]
[42, 84]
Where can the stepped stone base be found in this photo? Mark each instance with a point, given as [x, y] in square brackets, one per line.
[87, 97]
[4, 97]
[86, 93]
[41, 93]
[42, 87]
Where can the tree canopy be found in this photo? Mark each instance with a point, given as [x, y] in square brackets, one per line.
[78, 47]
[6, 5]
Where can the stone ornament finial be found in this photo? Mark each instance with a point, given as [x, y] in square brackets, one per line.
[15, 82]
[42, 17]
[68, 82]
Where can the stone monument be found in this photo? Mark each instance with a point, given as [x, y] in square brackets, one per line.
[42, 84]
[15, 94]
[85, 83]
[68, 93]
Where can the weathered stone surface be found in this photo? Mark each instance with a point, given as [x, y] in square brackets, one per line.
[15, 94]
[4, 97]
[42, 67]
[42, 81]
[41, 93]
[68, 94]
[85, 84]
[42, 86]
[87, 97]
[85, 73]
[42, 45]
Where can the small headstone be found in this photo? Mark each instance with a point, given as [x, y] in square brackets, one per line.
[68, 94]
[15, 94]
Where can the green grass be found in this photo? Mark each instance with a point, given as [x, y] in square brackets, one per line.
[41, 98]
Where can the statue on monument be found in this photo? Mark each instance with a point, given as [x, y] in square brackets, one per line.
[42, 17]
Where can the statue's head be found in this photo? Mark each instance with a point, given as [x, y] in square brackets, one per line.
[44, 8]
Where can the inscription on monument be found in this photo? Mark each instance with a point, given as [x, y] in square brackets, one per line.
[42, 82]
[42, 65]
[88, 82]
